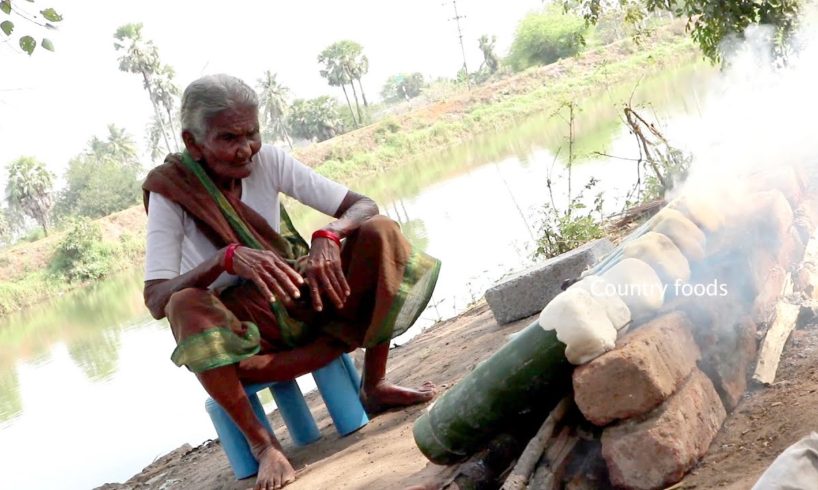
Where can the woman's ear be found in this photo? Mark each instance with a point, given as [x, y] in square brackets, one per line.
[192, 147]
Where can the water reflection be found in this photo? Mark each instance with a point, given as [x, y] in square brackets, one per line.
[88, 322]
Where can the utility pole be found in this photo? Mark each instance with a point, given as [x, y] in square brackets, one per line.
[457, 18]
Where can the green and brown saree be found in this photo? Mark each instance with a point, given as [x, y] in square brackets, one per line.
[391, 282]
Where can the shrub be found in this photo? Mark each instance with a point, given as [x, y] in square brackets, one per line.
[81, 255]
[543, 38]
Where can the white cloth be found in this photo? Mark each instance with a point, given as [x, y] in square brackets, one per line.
[175, 245]
[794, 469]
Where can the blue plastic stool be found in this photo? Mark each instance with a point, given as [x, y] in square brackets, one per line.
[338, 382]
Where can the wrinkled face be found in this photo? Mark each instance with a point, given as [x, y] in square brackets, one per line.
[231, 140]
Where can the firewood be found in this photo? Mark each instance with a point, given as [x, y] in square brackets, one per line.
[518, 477]
[770, 354]
[550, 470]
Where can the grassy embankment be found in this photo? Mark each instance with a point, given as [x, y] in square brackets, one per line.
[390, 142]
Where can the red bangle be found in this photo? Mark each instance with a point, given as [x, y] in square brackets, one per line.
[228, 257]
[327, 234]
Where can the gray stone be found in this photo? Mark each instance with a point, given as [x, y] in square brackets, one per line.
[527, 292]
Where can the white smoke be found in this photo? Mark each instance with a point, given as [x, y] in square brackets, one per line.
[760, 114]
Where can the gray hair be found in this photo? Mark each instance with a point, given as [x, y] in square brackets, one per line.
[208, 96]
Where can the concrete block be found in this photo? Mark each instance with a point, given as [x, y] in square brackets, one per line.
[527, 292]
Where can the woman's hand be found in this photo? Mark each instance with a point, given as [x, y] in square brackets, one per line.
[324, 273]
[269, 272]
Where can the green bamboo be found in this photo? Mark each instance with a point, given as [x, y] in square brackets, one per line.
[529, 373]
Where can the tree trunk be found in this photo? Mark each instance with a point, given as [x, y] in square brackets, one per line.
[366, 104]
[157, 112]
[357, 106]
[351, 112]
[287, 137]
[172, 128]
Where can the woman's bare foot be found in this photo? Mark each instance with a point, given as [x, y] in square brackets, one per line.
[274, 470]
[384, 395]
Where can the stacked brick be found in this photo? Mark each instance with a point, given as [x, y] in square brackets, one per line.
[664, 391]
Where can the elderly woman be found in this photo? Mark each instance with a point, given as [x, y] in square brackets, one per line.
[246, 298]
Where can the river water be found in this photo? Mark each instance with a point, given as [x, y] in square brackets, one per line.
[87, 391]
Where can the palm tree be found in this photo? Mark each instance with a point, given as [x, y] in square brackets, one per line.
[335, 72]
[29, 189]
[358, 64]
[166, 92]
[273, 101]
[141, 57]
[487, 47]
[121, 146]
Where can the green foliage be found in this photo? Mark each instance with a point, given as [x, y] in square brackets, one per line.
[273, 107]
[403, 86]
[103, 179]
[81, 255]
[562, 230]
[543, 38]
[315, 119]
[709, 22]
[28, 190]
[491, 63]
[344, 63]
[44, 20]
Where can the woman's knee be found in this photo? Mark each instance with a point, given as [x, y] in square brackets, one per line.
[377, 226]
[186, 298]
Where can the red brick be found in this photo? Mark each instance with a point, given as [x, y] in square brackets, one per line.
[645, 368]
[657, 450]
[791, 250]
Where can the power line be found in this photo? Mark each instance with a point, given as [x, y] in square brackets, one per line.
[457, 18]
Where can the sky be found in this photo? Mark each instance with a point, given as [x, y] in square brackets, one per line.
[51, 104]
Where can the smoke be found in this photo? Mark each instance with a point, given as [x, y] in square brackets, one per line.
[760, 113]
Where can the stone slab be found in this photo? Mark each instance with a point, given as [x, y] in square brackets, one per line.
[527, 292]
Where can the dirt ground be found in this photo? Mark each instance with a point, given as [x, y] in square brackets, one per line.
[383, 455]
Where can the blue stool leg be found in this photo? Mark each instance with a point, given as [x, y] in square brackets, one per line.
[353, 373]
[233, 442]
[340, 395]
[295, 412]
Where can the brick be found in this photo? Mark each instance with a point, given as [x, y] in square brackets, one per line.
[728, 356]
[784, 179]
[647, 366]
[527, 292]
[771, 288]
[726, 337]
[655, 451]
[791, 250]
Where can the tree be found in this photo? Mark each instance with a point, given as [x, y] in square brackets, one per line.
[543, 38]
[708, 21]
[28, 189]
[490, 60]
[315, 119]
[46, 19]
[403, 86]
[103, 179]
[273, 104]
[336, 74]
[141, 57]
[344, 63]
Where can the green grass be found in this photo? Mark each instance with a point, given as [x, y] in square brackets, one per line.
[578, 81]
